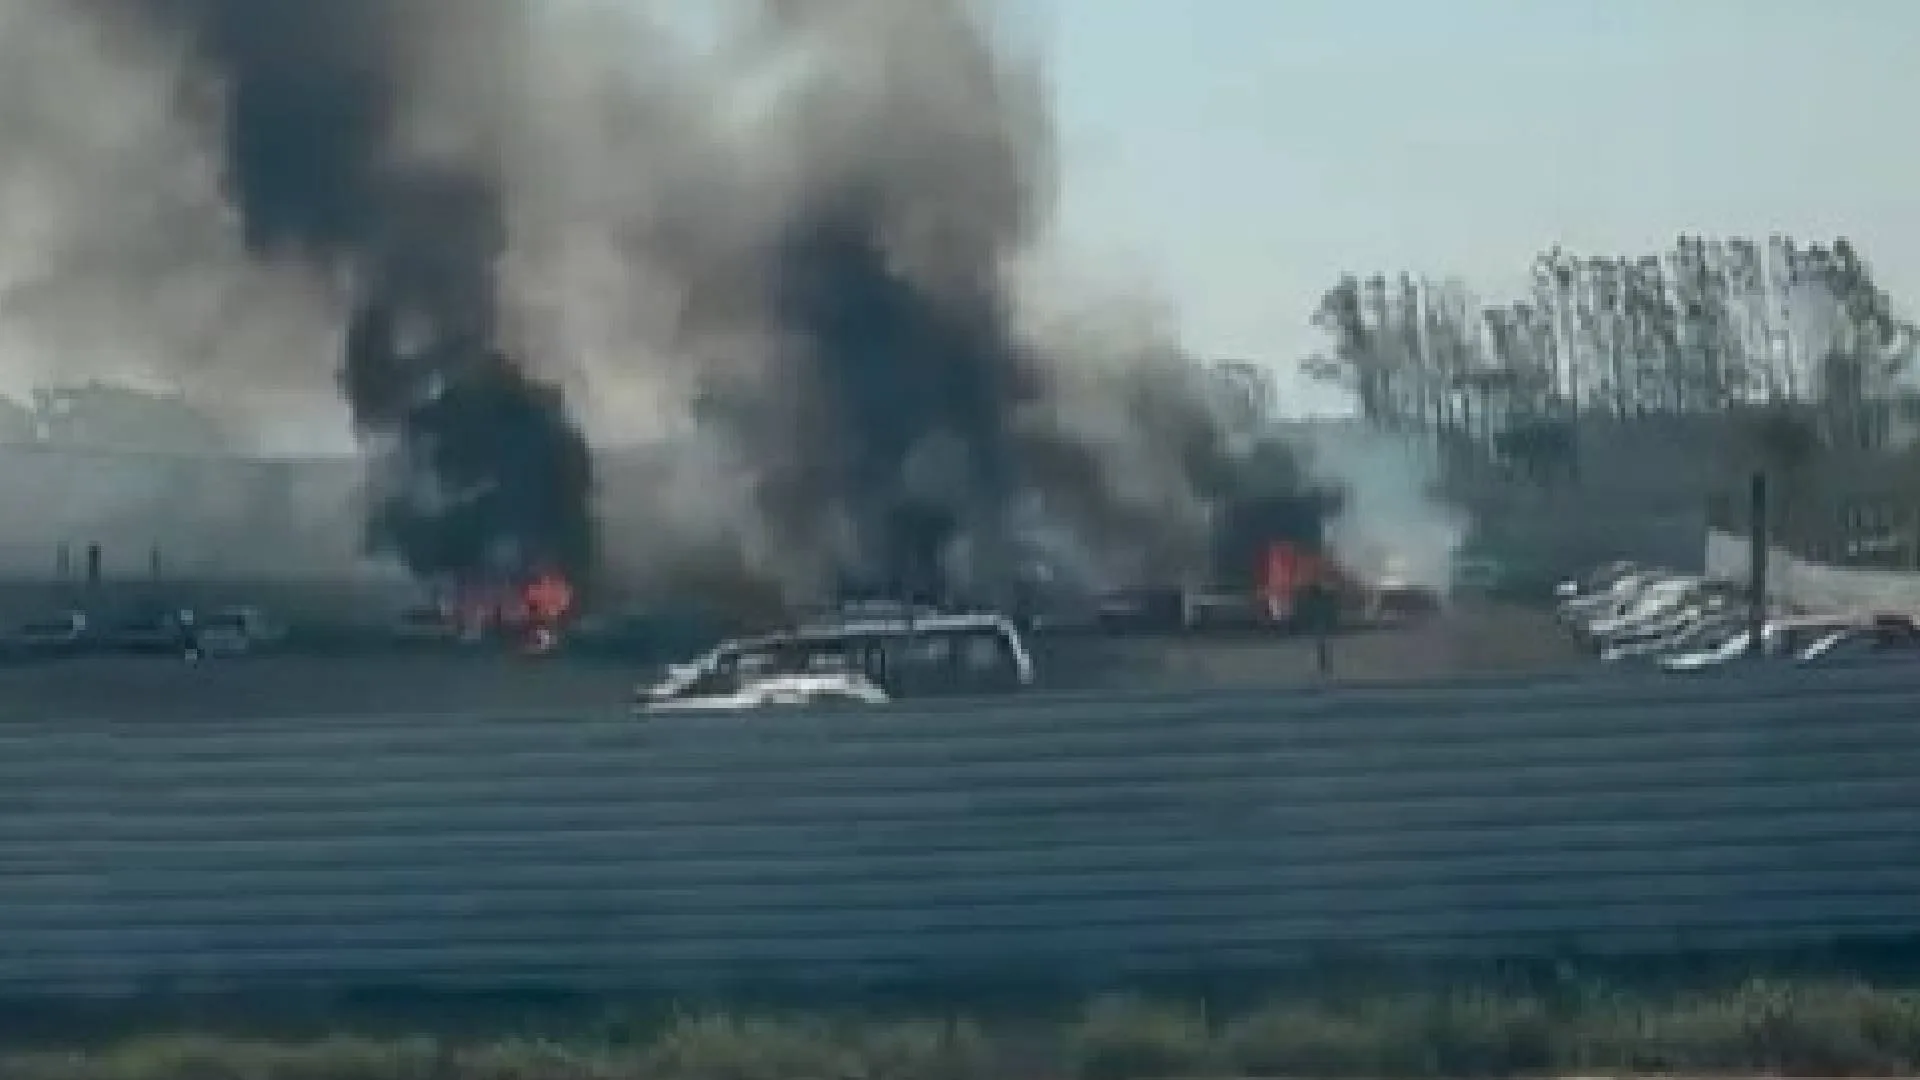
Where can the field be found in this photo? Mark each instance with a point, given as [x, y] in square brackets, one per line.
[154, 689]
[1758, 1027]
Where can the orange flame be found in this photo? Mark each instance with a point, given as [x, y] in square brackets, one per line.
[547, 600]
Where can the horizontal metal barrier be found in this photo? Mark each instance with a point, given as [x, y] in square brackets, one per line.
[1084, 834]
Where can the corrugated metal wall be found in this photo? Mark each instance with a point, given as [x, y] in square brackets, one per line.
[1071, 835]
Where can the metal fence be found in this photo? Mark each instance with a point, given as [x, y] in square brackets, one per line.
[1077, 836]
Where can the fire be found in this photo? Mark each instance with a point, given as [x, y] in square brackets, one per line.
[547, 599]
[532, 611]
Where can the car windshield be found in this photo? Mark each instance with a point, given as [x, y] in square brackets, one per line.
[1702, 635]
[1721, 638]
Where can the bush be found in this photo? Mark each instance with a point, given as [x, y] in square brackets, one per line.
[731, 1048]
[201, 1058]
[1460, 1035]
[1831, 1028]
[1812, 1029]
[1125, 1038]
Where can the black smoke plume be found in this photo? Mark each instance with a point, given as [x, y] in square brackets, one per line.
[803, 244]
[896, 378]
[913, 420]
[482, 471]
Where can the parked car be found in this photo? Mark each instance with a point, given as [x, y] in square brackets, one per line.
[1680, 627]
[1883, 639]
[1598, 580]
[152, 630]
[1611, 600]
[62, 634]
[1659, 598]
[1709, 633]
[425, 623]
[867, 661]
[1780, 638]
[238, 630]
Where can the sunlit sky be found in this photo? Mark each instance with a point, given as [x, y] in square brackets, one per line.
[1238, 155]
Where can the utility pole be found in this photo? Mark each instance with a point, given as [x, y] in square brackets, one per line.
[1757, 548]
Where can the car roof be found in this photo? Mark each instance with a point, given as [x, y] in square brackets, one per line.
[875, 627]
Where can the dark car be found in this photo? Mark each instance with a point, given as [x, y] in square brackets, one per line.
[64, 634]
[1883, 639]
[153, 631]
[238, 631]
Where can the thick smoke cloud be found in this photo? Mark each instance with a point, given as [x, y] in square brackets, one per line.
[928, 441]
[116, 260]
[789, 260]
[312, 105]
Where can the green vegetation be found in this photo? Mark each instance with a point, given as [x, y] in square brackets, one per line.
[1826, 1028]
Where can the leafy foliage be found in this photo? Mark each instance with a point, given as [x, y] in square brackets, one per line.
[1708, 326]
[1764, 1026]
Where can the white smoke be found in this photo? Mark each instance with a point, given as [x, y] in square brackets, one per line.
[1392, 523]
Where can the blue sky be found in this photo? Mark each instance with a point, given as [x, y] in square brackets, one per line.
[1237, 155]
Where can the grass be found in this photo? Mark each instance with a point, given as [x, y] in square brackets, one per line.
[1791, 1027]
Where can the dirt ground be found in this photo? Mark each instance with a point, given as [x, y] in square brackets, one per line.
[1489, 641]
[1462, 642]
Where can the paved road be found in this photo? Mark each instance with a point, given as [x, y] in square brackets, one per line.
[158, 688]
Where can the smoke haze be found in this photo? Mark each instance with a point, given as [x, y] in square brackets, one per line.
[1391, 522]
[497, 226]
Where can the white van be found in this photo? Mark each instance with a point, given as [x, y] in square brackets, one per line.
[862, 661]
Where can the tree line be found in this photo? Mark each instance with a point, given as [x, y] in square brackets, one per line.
[1709, 326]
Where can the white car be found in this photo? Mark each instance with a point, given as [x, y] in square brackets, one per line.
[1709, 633]
[1598, 580]
[1611, 600]
[1656, 625]
[1680, 627]
[860, 662]
[1657, 600]
[696, 694]
[1779, 636]
[1880, 639]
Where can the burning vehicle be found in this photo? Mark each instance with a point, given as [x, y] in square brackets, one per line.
[531, 614]
[1273, 569]
[865, 658]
